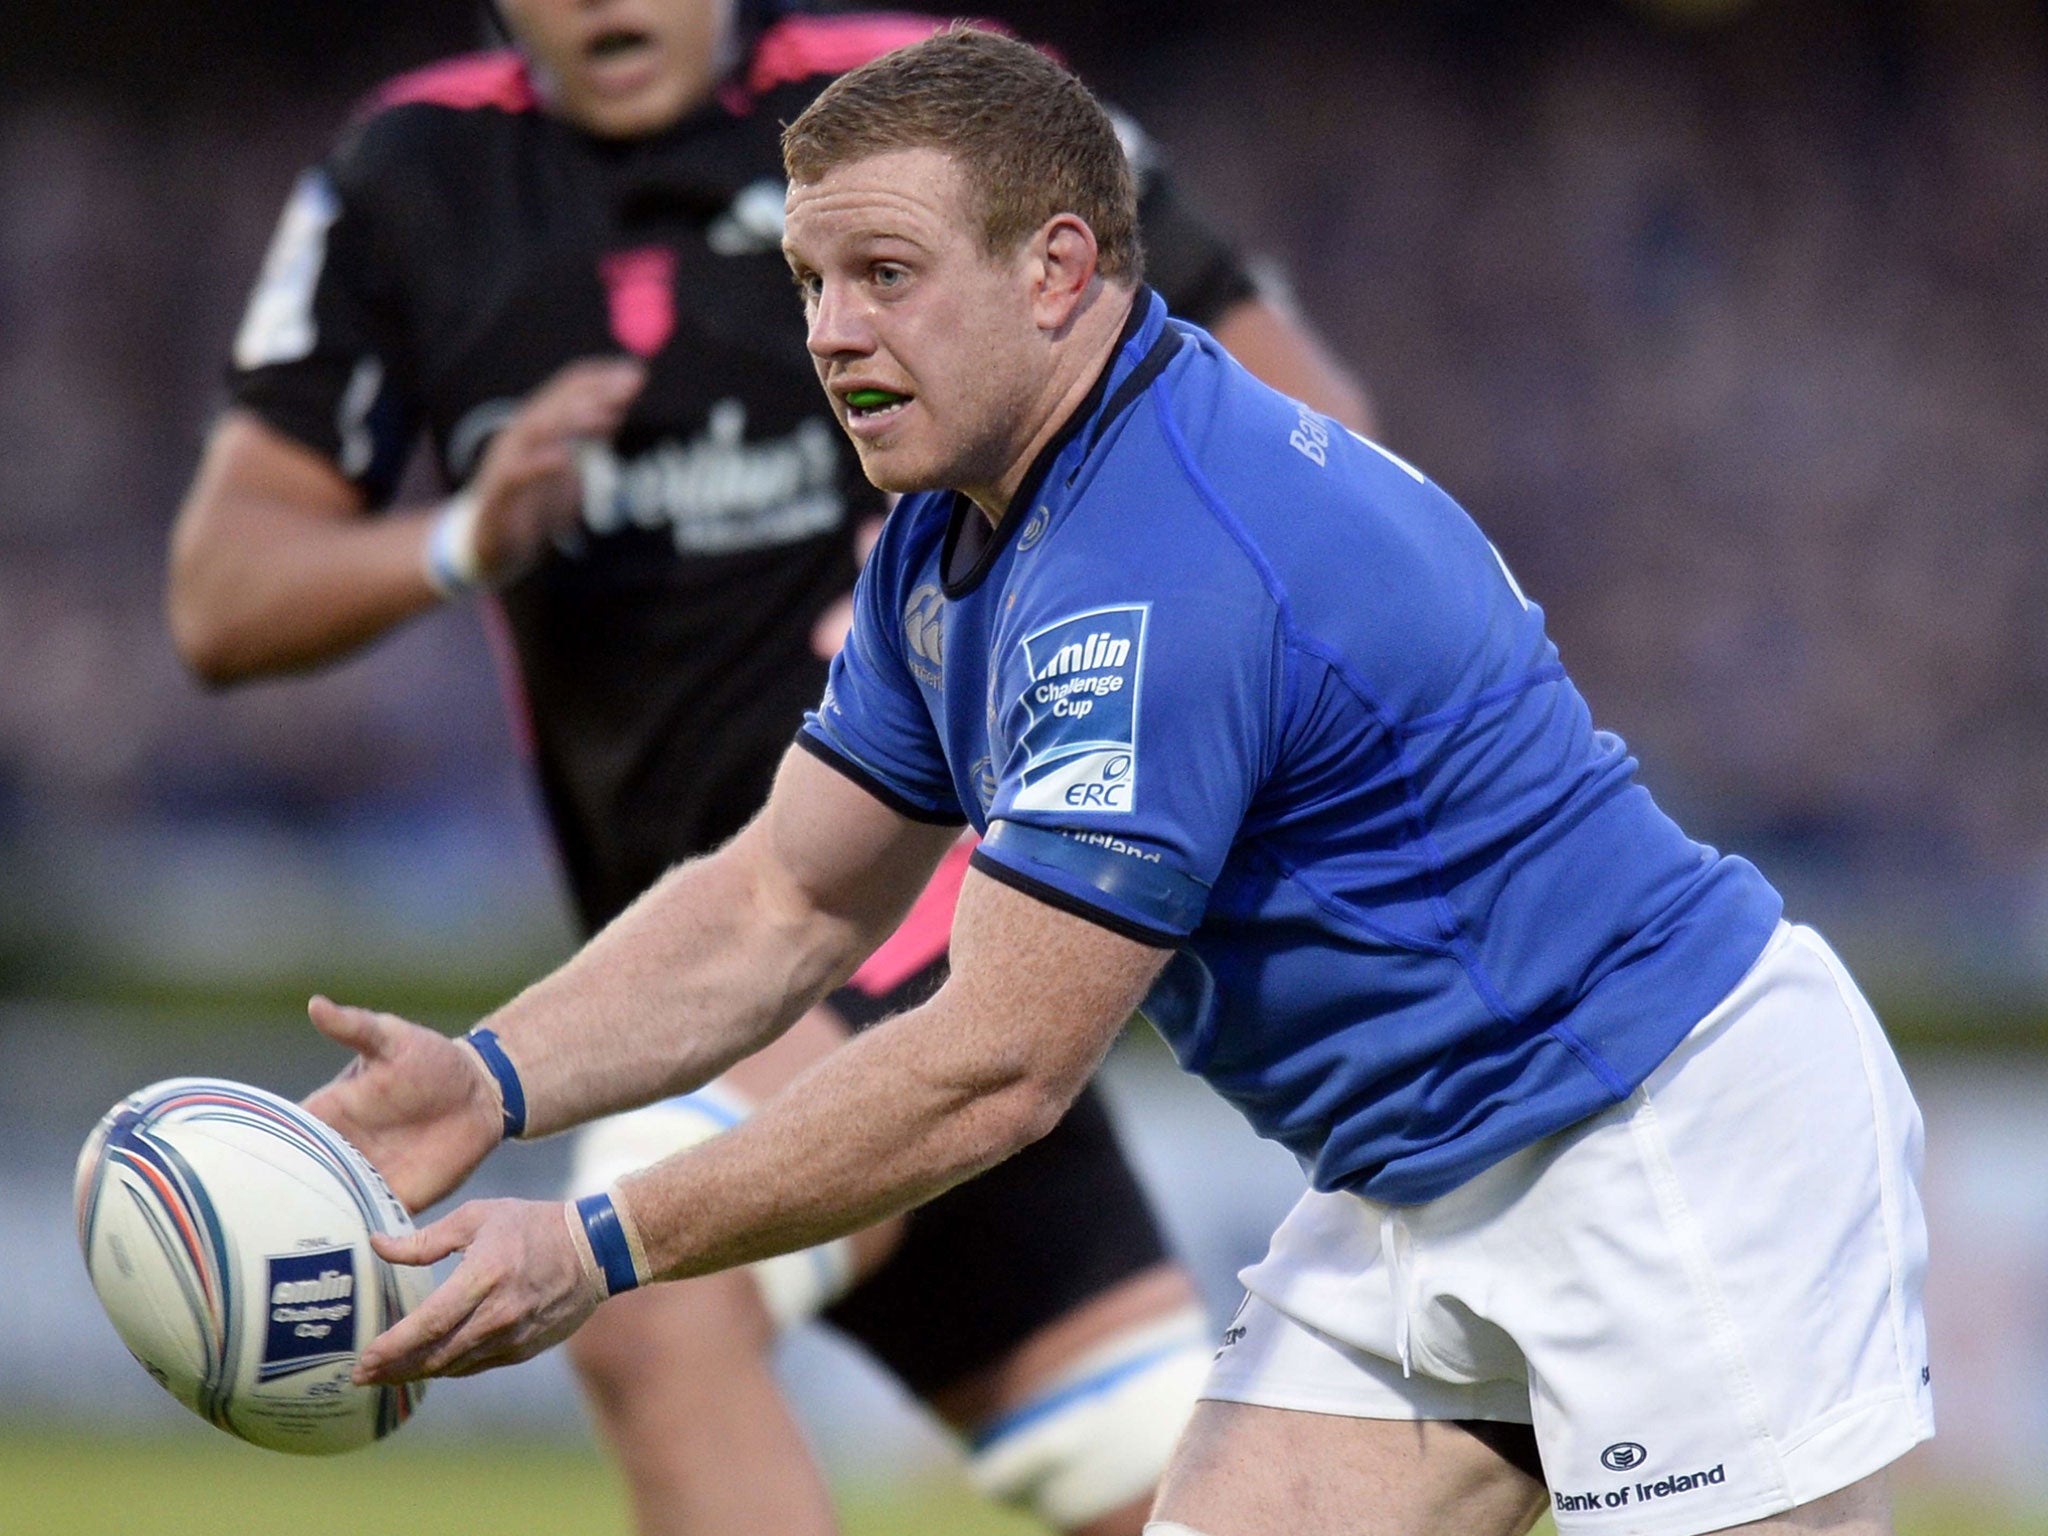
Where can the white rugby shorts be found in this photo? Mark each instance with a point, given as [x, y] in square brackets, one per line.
[1705, 1299]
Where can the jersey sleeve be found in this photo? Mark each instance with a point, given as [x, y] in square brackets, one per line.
[873, 725]
[1195, 268]
[1131, 736]
[320, 354]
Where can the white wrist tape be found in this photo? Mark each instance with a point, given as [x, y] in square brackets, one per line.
[449, 558]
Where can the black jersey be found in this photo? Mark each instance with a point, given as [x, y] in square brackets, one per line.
[457, 248]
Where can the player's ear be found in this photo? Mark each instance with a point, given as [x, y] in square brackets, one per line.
[1064, 258]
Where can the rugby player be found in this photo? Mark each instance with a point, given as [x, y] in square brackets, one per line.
[562, 263]
[1266, 742]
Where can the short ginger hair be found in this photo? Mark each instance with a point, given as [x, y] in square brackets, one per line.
[1030, 138]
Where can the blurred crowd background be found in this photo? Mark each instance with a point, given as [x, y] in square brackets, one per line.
[1726, 318]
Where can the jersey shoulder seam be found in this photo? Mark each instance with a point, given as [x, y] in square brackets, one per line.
[1220, 513]
[1292, 634]
[1454, 936]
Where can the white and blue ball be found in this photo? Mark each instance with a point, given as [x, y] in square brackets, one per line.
[227, 1234]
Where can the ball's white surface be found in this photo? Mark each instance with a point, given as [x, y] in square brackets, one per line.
[227, 1234]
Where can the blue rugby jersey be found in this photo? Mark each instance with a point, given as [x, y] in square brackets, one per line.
[1231, 680]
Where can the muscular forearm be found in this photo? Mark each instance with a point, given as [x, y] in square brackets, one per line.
[711, 963]
[275, 563]
[888, 1121]
[915, 1105]
[280, 593]
[898, 1115]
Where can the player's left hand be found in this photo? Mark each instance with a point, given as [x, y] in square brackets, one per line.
[521, 1287]
[414, 1102]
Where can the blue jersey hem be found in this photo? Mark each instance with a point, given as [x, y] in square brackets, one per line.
[1426, 1175]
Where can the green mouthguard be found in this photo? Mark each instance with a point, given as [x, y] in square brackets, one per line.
[871, 399]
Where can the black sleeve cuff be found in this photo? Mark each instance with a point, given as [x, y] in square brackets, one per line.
[1053, 896]
[847, 768]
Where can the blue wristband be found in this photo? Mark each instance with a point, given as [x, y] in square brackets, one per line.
[485, 1043]
[608, 1243]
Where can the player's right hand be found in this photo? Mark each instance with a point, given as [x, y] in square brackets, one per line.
[528, 487]
[519, 1288]
[413, 1101]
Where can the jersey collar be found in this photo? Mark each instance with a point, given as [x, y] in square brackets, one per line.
[1145, 347]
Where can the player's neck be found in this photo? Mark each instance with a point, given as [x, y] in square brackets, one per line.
[1079, 358]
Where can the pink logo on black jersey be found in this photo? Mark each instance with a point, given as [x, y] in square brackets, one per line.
[640, 292]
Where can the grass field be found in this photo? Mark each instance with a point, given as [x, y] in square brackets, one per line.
[205, 1484]
[55, 1483]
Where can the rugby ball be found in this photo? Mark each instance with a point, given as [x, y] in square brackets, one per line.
[227, 1234]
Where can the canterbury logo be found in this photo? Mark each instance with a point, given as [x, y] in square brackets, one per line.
[924, 624]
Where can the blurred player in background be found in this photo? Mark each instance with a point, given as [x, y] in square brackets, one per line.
[562, 263]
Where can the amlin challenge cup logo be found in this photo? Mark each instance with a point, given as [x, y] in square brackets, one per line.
[312, 1312]
[1081, 702]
